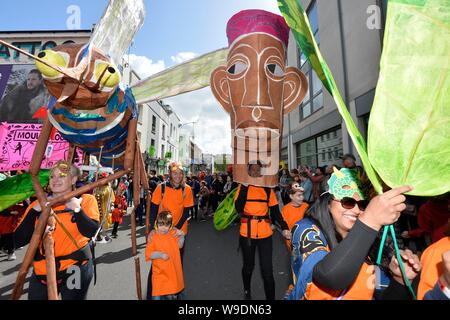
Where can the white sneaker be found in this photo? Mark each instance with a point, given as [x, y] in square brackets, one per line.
[12, 257]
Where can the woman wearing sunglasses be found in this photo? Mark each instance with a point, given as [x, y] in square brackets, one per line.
[331, 246]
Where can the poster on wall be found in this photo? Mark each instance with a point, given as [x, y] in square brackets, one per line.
[17, 143]
[22, 93]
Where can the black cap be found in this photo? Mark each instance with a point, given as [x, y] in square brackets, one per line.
[348, 156]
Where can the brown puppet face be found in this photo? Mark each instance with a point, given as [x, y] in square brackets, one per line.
[257, 89]
[93, 77]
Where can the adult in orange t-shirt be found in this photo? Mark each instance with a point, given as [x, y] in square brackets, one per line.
[80, 217]
[163, 249]
[294, 210]
[253, 204]
[435, 276]
[177, 199]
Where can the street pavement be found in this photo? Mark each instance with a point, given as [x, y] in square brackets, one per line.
[212, 266]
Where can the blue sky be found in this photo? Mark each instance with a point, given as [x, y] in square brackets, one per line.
[174, 30]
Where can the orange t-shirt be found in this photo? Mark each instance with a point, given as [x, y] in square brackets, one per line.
[63, 244]
[167, 275]
[260, 229]
[362, 288]
[173, 201]
[432, 267]
[292, 214]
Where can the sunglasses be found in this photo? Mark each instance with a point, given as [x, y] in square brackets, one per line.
[349, 203]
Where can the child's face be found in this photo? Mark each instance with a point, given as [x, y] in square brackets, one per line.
[162, 229]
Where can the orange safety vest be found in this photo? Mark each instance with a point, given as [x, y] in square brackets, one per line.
[256, 210]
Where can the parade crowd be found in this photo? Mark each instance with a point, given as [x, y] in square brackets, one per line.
[332, 231]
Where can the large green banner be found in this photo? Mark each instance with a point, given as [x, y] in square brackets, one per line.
[409, 127]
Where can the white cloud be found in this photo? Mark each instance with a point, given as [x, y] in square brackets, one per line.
[183, 56]
[144, 66]
[212, 130]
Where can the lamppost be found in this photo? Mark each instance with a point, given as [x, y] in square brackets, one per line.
[193, 130]
[191, 158]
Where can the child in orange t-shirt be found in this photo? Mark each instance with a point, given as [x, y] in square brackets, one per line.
[294, 210]
[163, 249]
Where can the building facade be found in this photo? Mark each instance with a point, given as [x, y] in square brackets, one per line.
[350, 40]
[158, 130]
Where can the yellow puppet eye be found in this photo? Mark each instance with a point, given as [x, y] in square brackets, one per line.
[107, 74]
[53, 58]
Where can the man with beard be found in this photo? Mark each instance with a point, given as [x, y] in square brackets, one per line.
[24, 100]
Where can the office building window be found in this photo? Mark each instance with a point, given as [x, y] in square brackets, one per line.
[163, 132]
[153, 124]
[306, 153]
[321, 150]
[314, 22]
[284, 155]
[314, 98]
[141, 114]
[162, 151]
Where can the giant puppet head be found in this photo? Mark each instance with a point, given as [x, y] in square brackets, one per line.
[89, 108]
[88, 80]
[257, 90]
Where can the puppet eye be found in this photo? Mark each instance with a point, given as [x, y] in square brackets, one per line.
[275, 69]
[57, 59]
[108, 74]
[237, 68]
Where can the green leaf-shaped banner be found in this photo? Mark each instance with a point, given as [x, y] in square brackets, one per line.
[409, 127]
[18, 188]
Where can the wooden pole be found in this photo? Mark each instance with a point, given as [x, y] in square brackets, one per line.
[87, 188]
[36, 161]
[146, 185]
[52, 287]
[131, 145]
[71, 153]
[136, 192]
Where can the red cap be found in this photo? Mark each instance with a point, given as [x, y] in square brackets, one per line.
[251, 21]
